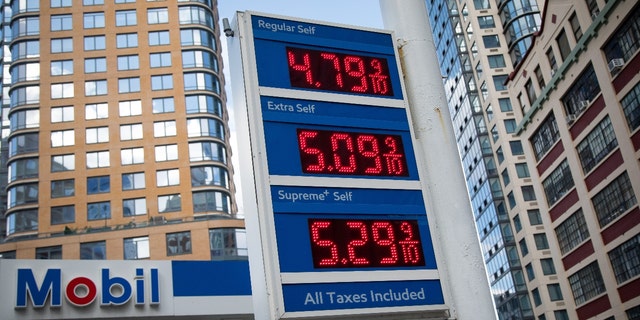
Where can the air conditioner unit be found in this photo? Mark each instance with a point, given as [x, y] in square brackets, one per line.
[583, 104]
[572, 118]
[595, 13]
[615, 65]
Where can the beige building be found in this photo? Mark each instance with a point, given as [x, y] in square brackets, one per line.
[115, 138]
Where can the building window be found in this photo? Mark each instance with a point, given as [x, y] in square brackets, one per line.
[160, 59]
[539, 78]
[516, 223]
[60, 114]
[625, 259]
[547, 266]
[499, 82]
[63, 214]
[505, 104]
[203, 104]
[93, 250]
[93, 65]
[95, 88]
[94, 20]
[159, 38]
[530, 274]
[97, 135]
[127, 40]
[98, 159]
[558, 183]
[625, 42]
[25, 49]
[631, 107]
[555, 293]
[486, 22]
[551, 58]
[201, 81]
[209, 176]
[512, 200]
[54, 252]
[157, 15]
[561, 315]
[169, 203]
[481, 4]
[505, 177]
[92, 2]
[210, 201]
[93, 43]
[25, 26]
[58, 68]
[130, 131]
[195, 15]
[200, 127]
[534, 217]
[132, 156]
[99, 211]
[582, 92]
[528, 194]
[22, 194]
[24, 143]
[633, 313]
[586, 283]
[227, 242]
[130, 108]
[61, 22]
[541, 241]
[128, 62]
[491, 41]
[496, 61]
[197, 37]
[133, 181]
[572, 232]
[100, 184]
[510, 125]
[136, 248]
[126, 18]
[166, 178]
[522, 170]
[536, 297]
[66, 162]
[8, 255]
[127, 1]
[166, 152]
[614, 200]
[62, 138]
[60, 3]
[162, 82]
[178, 243]
[545, 136]
[62, 90]
[25, 95]
[563, 45]
[199, 59]
[531, 92]
[127, 85]
[134, 207]
[524, 250]
[25, 119]
[207, 151]
[163, 105]
[23, 168]
[63, 188]
[96, 111]
[597, 145]
[575, 27]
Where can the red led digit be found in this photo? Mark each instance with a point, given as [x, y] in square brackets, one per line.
[394, 163]
[333, 249]
[336, 66]
[410, 250]
[354, 67]
[303, 138]
[341, 147]
[305, 67]
[389, 242]
[379, 80]
[368, 147]
[361, 230]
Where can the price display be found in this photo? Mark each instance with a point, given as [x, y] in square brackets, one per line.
[332, 71]
[354, 243]
[351, 153]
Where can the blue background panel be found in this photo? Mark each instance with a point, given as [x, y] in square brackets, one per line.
[357, 295]
[211, 278]
[294, 241]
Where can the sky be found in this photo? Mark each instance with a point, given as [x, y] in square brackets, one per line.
[364, 13]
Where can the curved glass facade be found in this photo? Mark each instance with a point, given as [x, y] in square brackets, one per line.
[520, 20]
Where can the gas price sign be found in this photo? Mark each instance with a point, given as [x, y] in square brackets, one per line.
[339, 204]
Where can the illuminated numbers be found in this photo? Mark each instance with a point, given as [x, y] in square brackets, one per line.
[341, 243]
[334, 71]
[351, 153]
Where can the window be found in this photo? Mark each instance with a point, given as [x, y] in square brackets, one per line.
[561, 315]
[201, 81]
[163, 105]
[22, 194]
[178, 243]
[536, 297]
[203, 104]
[496, 61]
[524, 250]
[505, 177]
[523, 170]
[24, 119]
[61, 22]
[127, 40]
[510, 125]
[199, 59]
[93, 65]
[160, 59]
[126, 18]
[95, 88]
[167, 152]
[227, 242]
[162, 82]
[197, 37]
[200, 127]
[531, 92]
[62, 90]
[586, 283]
[126, 1]
[157, 15]
[486, 22]
[207, 151]
[528, 194]
[169, 177]
[136, 248]
[62, 114]
[582, 92]
[64, 162]
[195, 15]
[92, 2]
[555, 293]
[60, 3]
[130, 131]
[8, 254]
[23, 168]
[62, 138]
[631, 107]
[530, 274]
[94, 20]
[481, 4]
[159, 38]
[133, 181]
[132, 156]
[128, 62]
[63, 214]
[96, 111]
[93, 43]
[130, 108]
[209, 176]
[98, 159]
[545, 136]
[93, 250]
[97, 135]
[100, 184]
[516, 223]
[572, 232]
[25, 49]
[499, 82]
[541, 241]
[633, 313]
[597, 145]
[539, 77]
[126, 85]
[491, 41]
[23, 143]
[558, 183]
[61, 45]
[625, 42]
[575, 27]
[505, 104]
[62, 188]
[61, 67]
[54, 252]
[169, 203]
[563, 45]
[614, 200]
[210, 201]
[551, 58]
[134, 207]
[547, 266]
[99, 211]
[625, 259]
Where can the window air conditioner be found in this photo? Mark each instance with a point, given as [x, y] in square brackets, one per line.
[572, 118]
[583, 104]
[615, 64]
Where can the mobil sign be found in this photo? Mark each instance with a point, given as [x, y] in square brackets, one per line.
[72, 289]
